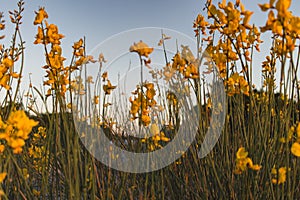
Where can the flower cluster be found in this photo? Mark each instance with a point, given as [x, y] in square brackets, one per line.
[156, 137]
[237, 84]
[108, 87]
[16, 130]
[185, 63]
[6, 65]
[200, 24]
[37, 150]
[280, 175]
[8, 56]
[57, 74]
[243, 162]
[284, 25]
[79, 53]
[237, 36]
[142, 102]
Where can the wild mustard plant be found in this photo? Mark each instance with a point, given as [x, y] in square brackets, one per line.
[50, 162]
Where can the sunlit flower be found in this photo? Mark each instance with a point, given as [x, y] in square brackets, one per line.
[282, 7]
[96, 99]
[39, 38]
[295, 149]
[200, 24]
[141, 48]
[2, 148]
[78, 45]
[40, 16]
[164, 37]
[243, 162]
[16, 130]
[237, 84]
[241, 153]
[108, 88]
[2, 176]
[150, 92]
[280, 175]
[53, 35]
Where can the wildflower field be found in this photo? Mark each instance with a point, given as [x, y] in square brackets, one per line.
[253, 148]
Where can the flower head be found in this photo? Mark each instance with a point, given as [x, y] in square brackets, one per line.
[243, 162]
[40, 16]
[281, 175]
[141, 48]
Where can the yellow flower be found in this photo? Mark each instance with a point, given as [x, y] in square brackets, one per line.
[282, 7]
[4, 82]
[264, 7]
[40, 16]
[243, 162]
[295, 149]
[163, 137]
[150, 92]
[96, 99]
[135, 105]
[16, 129]
[247, 16]
[7, 62]
[178, 63]
[281, 175]
[141, 48]
[78, 45]
[104, 76]
[39, 38]
[236, 85]
[298, 130]
[145, 118]
[241, 153]
[2, 176]
[201, 24]
[108, 88]
[2, 148]
[20, 121]
[53, 35]
[172, 98]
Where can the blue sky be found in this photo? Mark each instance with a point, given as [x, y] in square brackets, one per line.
[97, 20]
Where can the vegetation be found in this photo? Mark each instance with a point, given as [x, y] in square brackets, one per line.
[43, 155]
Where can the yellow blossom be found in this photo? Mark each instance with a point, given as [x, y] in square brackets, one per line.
[78, 45]
[282, 7]
[2, 176]
[298, 130]
[96, 99]
[264, 7]
[16, 129]
[141, 48]
[243, 162]
[241, 153]
[2, 148]
[201, 24]
[53, 35]
[40, 16]
[295, 149]
[281, 175]
[108, 88]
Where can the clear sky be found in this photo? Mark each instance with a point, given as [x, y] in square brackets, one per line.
[100, 19]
